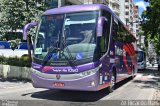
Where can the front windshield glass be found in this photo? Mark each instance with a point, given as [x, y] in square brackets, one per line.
[49, 31]
[140, 55]
[64, 37]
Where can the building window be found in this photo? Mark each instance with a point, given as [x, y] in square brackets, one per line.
[52, 3]
[127, 13]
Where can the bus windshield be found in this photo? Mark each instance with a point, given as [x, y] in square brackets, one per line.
[140, 56]
[70, 36]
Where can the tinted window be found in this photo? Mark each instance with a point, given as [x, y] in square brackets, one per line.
[121, 34]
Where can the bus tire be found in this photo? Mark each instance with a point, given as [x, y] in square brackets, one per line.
[113, 81]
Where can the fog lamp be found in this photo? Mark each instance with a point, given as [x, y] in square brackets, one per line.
[93, 83]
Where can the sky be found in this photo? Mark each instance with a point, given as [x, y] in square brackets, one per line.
[142, 5]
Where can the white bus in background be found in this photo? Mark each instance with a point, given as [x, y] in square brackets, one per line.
[19, 51]
[141, 59]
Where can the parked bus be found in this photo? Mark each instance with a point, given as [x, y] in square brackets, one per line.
[81, 47]
[141, 59]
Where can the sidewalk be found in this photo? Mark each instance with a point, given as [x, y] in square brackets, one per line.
[157, 85]
[157, 93]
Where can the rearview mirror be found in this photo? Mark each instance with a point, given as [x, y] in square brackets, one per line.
[25, 30]
[100, 24]
[27, 27]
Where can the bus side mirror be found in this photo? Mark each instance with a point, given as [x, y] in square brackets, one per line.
[27, 27]
[25, 30]
[101, 29]
[100, 26]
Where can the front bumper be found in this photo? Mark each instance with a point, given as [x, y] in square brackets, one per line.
[140, 66]
[81, 84]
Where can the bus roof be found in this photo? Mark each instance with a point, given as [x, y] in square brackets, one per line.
[76, 8]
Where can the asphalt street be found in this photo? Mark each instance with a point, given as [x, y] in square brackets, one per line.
[143, 90]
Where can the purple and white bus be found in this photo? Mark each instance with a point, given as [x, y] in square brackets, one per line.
[81, 47]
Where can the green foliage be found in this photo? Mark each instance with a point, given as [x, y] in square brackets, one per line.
[15, 61]
[151, 23]
[16, 13]
[13, 45]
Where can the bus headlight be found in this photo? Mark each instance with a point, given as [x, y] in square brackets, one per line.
[90, 72]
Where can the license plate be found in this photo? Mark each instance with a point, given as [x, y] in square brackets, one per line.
[58, 84]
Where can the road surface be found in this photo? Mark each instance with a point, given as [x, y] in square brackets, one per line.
[143, 90]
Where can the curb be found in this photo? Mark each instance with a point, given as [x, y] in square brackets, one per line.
[7, 71]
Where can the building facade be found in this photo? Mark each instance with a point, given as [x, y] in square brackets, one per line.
[124, 9]
[60, 3]
[115, 6]
[136, 20]
[96, 1]
[129, 14]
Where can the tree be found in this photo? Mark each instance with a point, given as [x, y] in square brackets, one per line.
[151, 23]
[16, 13]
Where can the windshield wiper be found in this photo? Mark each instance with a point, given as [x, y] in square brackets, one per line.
[53, 49]
[69, 53]
[61, 53]
[50, 53]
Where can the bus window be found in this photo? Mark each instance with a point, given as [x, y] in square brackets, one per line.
[114, 32]
[80, 28]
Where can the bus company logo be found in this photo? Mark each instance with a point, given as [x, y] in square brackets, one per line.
[58, 76]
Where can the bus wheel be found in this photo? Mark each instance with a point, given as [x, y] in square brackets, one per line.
[113, 82]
